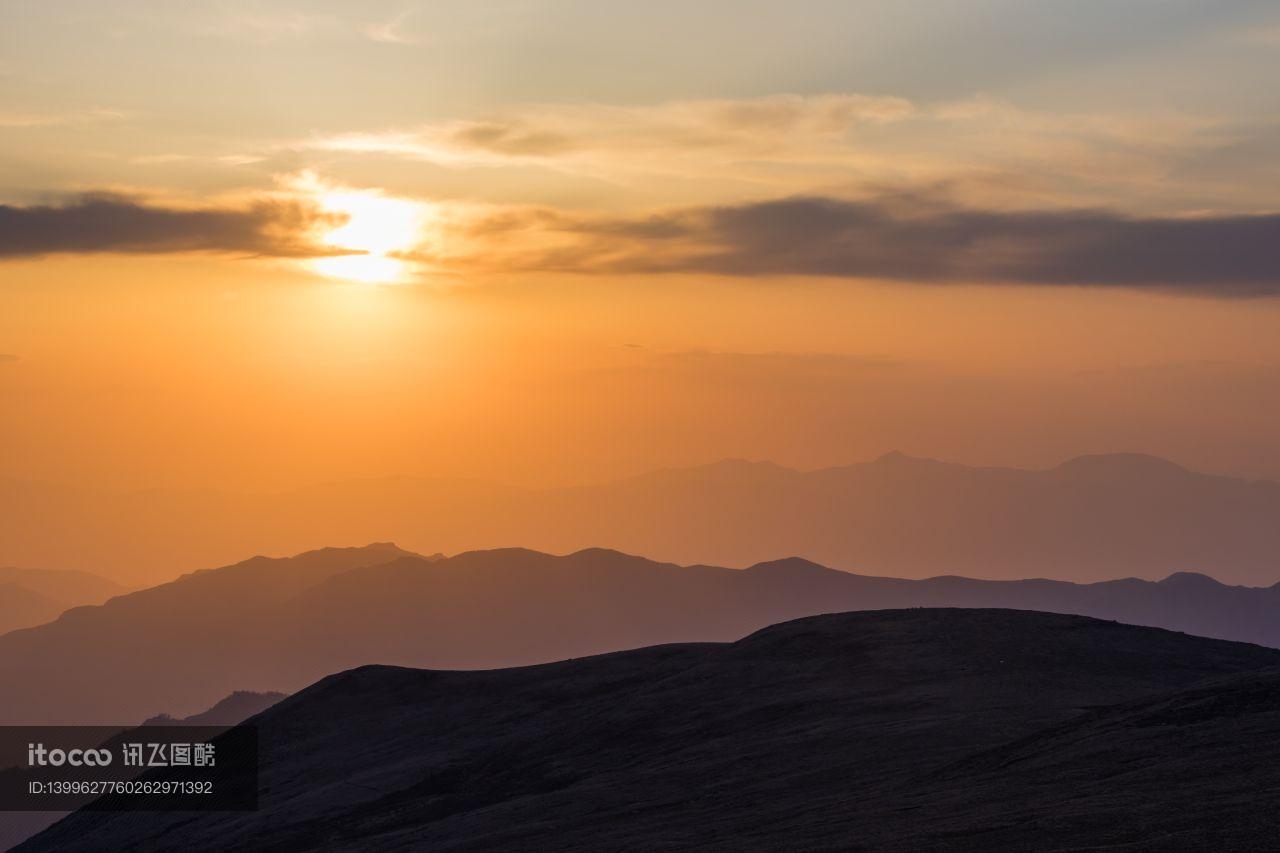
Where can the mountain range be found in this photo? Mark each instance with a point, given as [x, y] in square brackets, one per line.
[34, 596]
[280, 624]
[887, 731]
[1091, 518]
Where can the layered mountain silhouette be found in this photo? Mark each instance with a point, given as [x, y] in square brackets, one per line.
[962, 730]
[1092, 518]
[236, 708]
[20, 607]
[33, 596]
[280, 624]
[16, 827]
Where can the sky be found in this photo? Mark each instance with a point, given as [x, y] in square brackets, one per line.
[258, 245]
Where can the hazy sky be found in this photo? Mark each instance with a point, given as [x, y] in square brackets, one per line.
[258, 244]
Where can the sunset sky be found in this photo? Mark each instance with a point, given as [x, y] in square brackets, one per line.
[255, 245]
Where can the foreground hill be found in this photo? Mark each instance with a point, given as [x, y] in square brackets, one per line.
[269, 624]
[16, 827]
[1089, 519]
[34, 596]
[973, 730]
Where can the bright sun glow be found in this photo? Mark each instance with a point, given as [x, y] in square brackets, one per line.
[376, 225]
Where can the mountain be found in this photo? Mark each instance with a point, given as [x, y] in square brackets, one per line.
[73, 588]
[961, 730]
[1089, 519]
[34, 596]
[21, 607]
[1092, 518]
[181, 646]
[280, 624]
[16, 827]
[234, 709]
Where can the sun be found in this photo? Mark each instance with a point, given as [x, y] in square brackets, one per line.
[376, 226]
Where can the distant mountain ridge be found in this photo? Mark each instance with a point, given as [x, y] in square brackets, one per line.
[980, 731]
[34, 596]
[278, 624]
[21, 607]
[1090, 518]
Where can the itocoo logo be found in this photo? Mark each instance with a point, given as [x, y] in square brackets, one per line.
[38, 756]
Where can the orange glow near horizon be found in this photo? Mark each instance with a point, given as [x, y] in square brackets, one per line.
[267, 246]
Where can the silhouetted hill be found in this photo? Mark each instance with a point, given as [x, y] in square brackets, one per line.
[269, 624]
[1091, 518]
[182, 645]
[234, 709]
[964, 730]
[33, 596]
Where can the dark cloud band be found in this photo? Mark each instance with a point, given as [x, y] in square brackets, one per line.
[108, 223]
[918, 239]
[912, 238]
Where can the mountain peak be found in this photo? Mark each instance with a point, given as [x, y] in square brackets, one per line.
[791, 566]
[390, 548]
[896, 458]
[1121, 464]
[1191, 579]
[596, 551]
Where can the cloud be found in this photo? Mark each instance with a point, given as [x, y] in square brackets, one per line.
[15, 121]
[390, 31]
[6, 358]
[260, 23]
[597, 137]
[267, 22]
[913, 238]
[1000, 153]
[510, 140]
[113, 223]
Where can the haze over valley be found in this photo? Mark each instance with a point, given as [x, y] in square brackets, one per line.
[1089, 519]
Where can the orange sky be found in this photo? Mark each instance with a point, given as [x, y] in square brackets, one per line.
[486, 245]
[168, 372]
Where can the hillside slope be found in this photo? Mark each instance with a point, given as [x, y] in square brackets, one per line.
[887, 731]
